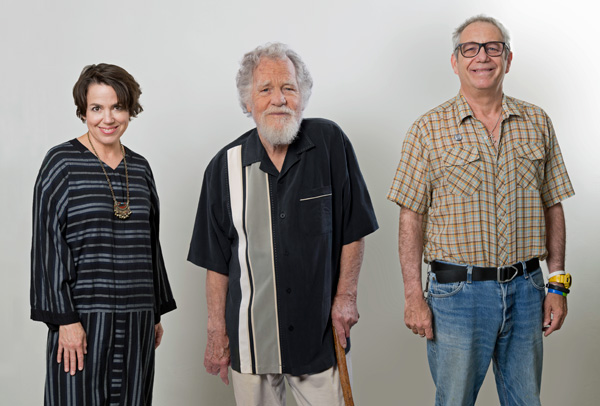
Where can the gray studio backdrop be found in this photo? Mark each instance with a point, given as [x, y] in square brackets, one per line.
[377, 66]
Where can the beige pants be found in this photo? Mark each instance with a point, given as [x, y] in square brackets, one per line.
[322, 389]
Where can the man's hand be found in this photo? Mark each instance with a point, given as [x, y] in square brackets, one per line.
[555, 306]
[216, 356]
[418, 317]
[555, 312]
[72, 346]
[417, 314]
[158, 333]
[344, 315]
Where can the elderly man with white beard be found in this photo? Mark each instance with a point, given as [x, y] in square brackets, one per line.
[280, 228]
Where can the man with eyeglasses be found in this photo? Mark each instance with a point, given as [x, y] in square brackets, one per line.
[480, 181]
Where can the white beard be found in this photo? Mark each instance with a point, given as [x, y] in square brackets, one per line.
[285, 133]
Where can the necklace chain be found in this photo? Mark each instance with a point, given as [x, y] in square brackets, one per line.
[121, 210]
[491, 133]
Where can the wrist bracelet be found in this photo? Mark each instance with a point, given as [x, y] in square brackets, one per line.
[560, 272]
[557, 292]
[558, 287]
[565, 279]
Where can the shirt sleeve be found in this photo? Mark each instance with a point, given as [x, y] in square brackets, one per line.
[411, 187]
[52, 265]
[556, 185]
[163, 296]
[210, 247]
[358, 215]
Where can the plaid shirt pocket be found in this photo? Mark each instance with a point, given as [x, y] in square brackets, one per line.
[529, 165]
[462, 169]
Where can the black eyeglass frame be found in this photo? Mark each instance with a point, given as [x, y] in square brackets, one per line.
[505, 47]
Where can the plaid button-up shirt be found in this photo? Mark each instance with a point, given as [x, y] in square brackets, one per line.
[482, 205]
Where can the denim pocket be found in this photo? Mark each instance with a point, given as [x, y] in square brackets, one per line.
[529, 165]
[537, 279]
[437, 289]
[462, 169]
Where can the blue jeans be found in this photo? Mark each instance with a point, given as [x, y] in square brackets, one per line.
[475, 322]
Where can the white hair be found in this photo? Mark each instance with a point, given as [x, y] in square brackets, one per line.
[277, 51]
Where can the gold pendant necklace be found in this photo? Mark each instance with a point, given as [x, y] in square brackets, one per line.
[122, 210]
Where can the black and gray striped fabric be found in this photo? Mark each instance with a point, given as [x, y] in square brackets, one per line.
[88, 265]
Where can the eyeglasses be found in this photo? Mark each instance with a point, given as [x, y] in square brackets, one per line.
[471, 49]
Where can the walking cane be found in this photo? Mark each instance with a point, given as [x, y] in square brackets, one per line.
[340, 355]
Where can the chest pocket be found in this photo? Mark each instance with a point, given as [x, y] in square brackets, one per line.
[315, 210]
[462, 170]
[530, 159]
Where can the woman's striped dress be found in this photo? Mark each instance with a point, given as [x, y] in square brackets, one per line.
[88, 265]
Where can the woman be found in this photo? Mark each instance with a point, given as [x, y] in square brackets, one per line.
[98, 278]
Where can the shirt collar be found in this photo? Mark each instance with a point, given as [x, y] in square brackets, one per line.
[253, 150]
[464, 110]
[509, 107]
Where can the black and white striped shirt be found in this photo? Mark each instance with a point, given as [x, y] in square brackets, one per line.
[278, 236]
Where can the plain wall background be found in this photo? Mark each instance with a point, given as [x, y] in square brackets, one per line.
[377, 66]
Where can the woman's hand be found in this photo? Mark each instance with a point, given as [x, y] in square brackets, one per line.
[158, 333]
[72, 346]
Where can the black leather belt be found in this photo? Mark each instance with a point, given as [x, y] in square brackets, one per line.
[449, 273]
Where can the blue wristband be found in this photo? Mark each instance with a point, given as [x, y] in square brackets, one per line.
[557, 292]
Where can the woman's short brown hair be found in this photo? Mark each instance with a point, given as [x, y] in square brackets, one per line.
[127, 89]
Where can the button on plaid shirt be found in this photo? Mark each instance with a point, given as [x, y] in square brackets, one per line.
[482, 205]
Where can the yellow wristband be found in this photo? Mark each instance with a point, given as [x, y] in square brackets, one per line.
[564, 279]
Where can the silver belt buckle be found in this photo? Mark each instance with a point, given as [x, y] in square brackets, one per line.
[506, 280]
